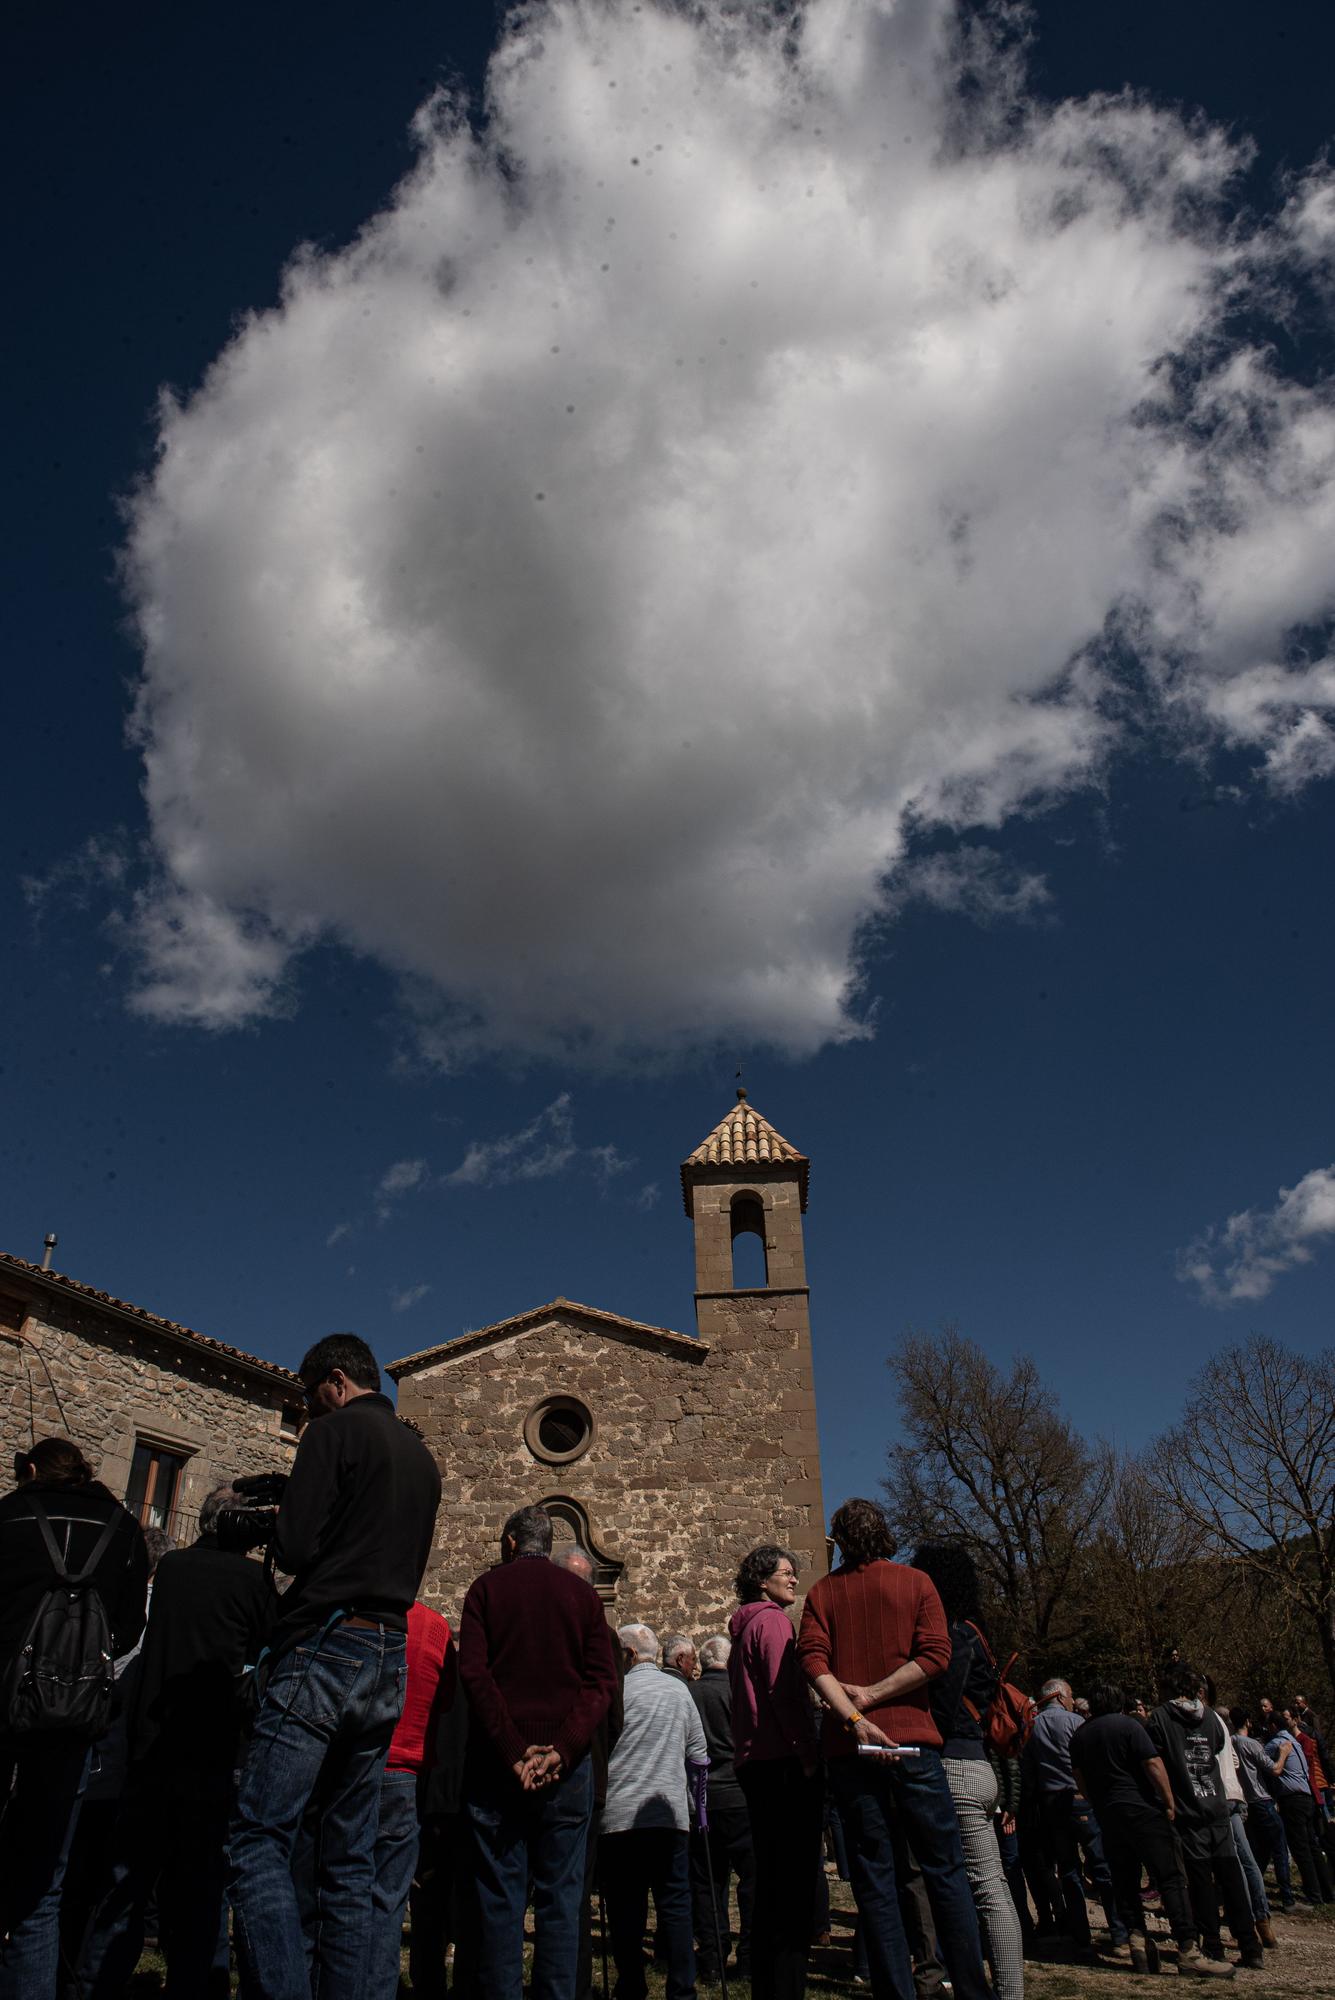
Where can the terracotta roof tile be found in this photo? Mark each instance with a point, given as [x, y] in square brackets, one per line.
[57, 1281]
[744, 1139]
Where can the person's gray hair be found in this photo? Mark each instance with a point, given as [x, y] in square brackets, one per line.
[576, 1562]
[530, 1529]
[1051, 1689]
[158, 1543]
[641, 1640]
[716, 1652]
[674, 1644]
[212, 1506]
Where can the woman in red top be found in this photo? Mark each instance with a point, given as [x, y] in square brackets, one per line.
[430, 1689]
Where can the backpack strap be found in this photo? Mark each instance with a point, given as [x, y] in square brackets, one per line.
[988, 1654]
[100, 1546]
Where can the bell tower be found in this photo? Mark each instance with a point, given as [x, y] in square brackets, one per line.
[746, 1181]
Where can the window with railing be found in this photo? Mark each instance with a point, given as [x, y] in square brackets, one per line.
[155, 1484]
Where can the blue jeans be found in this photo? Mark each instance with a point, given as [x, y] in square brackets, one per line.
[871, 1794]
[396, 1846]
[1237, 1820]
[1265, 1837]
[521, 1837]
[48, 1774]
[324, 1726]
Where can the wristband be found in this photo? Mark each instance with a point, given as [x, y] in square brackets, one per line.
[851, 1721]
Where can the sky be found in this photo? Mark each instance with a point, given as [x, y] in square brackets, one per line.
[550, 564]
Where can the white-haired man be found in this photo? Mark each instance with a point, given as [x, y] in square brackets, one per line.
[728, 1846]
[647, 1817]
[679, 1657]
[1069, 1825]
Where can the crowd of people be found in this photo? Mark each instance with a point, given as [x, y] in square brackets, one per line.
[289, 1777]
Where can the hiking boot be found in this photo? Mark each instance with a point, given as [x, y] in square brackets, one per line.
[1265, 1930]
[1144, 1953]
[1192, 1963]
[1253, 1960]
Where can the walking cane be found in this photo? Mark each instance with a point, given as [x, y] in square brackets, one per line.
[699, 1778]
[602, 1931]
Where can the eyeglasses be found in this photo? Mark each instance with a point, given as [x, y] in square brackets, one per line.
[309, 1389]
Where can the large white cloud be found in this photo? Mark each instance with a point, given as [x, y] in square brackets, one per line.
[1241, 1261]
[756, 443]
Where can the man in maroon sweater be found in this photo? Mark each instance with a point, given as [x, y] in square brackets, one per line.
[535, 1660]
[873, 1635]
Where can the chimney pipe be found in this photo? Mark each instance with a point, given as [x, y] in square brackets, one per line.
[50, 1240]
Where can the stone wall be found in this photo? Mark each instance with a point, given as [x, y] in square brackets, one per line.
[106, 1382]
[697, 1454]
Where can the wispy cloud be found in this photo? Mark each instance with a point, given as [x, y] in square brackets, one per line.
[404, 1177]
[1241, 1261]
[975, 881]
[965, 392]
[337, 1233]
[544, 1147]
[402, 1302]
[648, 1196]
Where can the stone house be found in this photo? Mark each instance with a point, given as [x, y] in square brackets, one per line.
[664, 1455]
[164, 1414]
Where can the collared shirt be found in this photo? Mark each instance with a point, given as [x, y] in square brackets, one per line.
[1049, 1747]
[1293, 1778]
[646, 1773]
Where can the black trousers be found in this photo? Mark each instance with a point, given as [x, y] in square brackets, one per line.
[1299, 1815]
[785, 1810]
[1136, 1837]
[174, 1848]
[1214, 1871]
[728, 1848]
[633, 1864]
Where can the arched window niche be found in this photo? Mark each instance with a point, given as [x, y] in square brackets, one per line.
[570, 1529]
[750, 1255]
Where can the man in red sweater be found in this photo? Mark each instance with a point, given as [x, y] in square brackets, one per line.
[535, 1660]
[873, 1635]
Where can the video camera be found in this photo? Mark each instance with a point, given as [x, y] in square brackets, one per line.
[251, 1526]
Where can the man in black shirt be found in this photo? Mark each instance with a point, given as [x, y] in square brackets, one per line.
[354, 1532]
[729, 1843]
[1122, 1775]
[212, 1612]
[1189, 1737]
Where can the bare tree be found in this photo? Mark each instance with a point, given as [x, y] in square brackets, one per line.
[1252, 1467]
[1146, 1569]
[991, 1462]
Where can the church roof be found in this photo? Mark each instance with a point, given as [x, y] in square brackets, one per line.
[744, 1139]
[637, 1332]
[56, 1283]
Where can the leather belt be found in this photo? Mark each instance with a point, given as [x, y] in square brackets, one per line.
[366, 1624]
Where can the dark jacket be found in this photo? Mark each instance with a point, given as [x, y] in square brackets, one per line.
[77, 1514]
[1190, 1750]
[712, 1695]
[212, 1612]
[535, 1660]
[358, 1515]
[959, 1697]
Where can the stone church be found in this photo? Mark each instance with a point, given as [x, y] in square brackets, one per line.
[663, 1455]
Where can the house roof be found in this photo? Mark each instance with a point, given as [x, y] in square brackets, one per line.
[637, 1332]
[57, 1282]
[743, 1139]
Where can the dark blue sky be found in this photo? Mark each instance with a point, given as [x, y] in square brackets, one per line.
[1049, 1111]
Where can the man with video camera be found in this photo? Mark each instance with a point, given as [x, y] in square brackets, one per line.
[354, 1532]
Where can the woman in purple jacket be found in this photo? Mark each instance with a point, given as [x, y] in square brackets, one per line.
[777, 1764]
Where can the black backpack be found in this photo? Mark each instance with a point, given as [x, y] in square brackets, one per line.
[62, 1677]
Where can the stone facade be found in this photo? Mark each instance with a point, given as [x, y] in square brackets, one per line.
[696, 1449]
[76, 1363]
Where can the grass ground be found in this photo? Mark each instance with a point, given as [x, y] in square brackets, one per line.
[1302, 1967]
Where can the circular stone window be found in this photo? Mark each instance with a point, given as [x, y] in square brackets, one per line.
[558, 1429]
